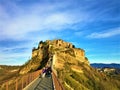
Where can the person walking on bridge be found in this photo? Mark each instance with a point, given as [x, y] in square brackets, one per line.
[44, 70]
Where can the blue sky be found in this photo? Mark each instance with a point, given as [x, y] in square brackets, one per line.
[93, 25]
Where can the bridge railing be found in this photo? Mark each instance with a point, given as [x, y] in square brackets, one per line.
[20, 82]
[56, 82]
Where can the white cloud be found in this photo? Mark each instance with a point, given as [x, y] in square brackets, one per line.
[10, 57]
[105, 34]
[37, 17]
[14, 58]
[21, 20]
[35, 21]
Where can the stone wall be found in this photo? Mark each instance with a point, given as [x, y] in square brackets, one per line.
[61, 43]
[79, 53]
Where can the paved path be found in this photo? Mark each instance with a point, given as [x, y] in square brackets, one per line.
[45, 84]
[33, 84]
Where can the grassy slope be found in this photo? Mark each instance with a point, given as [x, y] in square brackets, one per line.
[89, 80]
[7, 72]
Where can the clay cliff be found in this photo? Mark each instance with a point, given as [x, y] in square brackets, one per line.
[70, 65]
[59, 49]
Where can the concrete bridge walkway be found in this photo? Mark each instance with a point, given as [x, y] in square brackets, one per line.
[44, 83]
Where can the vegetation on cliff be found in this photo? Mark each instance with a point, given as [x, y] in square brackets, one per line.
[70, 65]
[88, 79]
[41, 54]
[8, 72]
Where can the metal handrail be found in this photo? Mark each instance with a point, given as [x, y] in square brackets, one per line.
[20, 82]
[56, 82]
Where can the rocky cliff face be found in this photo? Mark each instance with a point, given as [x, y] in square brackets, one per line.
[71, 66]
[63, 51]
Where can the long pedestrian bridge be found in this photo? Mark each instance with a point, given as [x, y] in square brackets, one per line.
[44, 83]
[33, 81]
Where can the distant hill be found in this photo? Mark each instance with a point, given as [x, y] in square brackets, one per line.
[101, 65]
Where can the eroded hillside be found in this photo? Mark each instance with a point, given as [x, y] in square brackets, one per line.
[8, 72]
[60, 49]
[70, 65]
